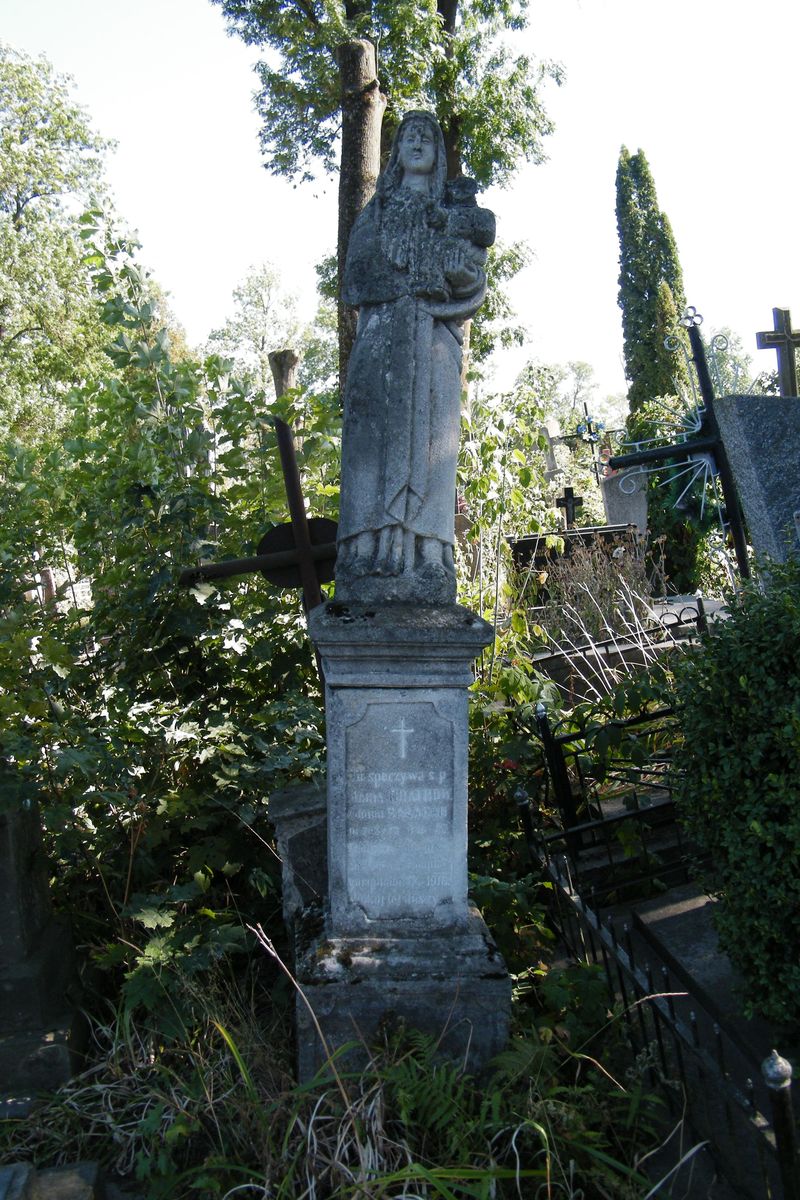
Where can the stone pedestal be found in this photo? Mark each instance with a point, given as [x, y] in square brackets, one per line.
[399, 939]
[38, 1031]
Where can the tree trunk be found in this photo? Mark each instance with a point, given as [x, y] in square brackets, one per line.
[283, 364]
[451, 124]
[362, 113]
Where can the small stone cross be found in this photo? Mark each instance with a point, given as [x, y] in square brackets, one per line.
[570, 503]
[783, 340]
[404, 731]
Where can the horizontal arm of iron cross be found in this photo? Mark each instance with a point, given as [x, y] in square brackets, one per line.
[299, 555]
[709, 442]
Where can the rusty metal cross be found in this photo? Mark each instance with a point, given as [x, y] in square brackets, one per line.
[299, 555]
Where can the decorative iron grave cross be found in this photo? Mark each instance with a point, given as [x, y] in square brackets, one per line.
[590, 430]
[709, 442]
[783, 340]
[570, 503]
[299, 555]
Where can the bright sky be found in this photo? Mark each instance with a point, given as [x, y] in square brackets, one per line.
[707, 90]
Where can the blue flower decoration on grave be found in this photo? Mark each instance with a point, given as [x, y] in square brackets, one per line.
[590, 429]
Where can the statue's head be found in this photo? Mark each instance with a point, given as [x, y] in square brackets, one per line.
[417, 149]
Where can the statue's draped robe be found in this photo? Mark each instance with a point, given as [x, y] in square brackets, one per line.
[403, 395]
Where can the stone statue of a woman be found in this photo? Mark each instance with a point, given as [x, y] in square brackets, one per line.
[415, 270]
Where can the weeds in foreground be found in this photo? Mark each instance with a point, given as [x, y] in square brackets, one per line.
[221, 1116]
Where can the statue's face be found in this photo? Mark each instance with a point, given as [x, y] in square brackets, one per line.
[417, 152]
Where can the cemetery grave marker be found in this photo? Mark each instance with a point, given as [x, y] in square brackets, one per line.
[783, 340]
[399, 938]
[40, 1034]
[570, 503]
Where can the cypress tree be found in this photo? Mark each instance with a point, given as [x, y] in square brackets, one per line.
[652, 299]
[650, 283]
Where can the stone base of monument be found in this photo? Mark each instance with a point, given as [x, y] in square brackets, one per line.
[397, 938]
[299, 815]
[34, 1061]
[453, 987]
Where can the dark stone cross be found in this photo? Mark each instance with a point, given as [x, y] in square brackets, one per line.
[783, 340]
[570, 503]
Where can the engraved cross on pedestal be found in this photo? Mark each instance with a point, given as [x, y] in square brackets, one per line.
[404, 732]
[570, 503]
[783, 340]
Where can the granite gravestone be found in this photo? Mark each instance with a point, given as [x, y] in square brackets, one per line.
[761, 435]
[399, 938]
[625, 498]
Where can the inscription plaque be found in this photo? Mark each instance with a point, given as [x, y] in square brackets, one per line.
[402, 839]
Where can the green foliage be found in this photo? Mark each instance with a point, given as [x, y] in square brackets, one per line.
[494, 325]
[50, 163]
[264, 319]
[737, 787]
[486, 98]
[151, 721]
[650, 283]
[224, 1113]
[679, 520]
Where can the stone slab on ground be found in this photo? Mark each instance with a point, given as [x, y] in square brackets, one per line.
[39, 1060]
[78, 1181]
[16, 1181]
[81, 1181]
[682, 924]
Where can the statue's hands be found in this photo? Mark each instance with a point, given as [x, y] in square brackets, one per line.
[462, 274]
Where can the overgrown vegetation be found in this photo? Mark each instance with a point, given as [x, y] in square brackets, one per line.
[152, 723]
[738, 789]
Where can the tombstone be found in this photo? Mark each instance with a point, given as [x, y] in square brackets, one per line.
[570, 504]
[39, 1034]
[550, 433]
[397, 939]
[761, 435]
[625, 498]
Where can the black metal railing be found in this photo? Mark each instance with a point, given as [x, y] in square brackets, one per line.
[604, 832]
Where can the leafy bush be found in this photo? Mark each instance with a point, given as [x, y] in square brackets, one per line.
[738, 786]
[151, 721]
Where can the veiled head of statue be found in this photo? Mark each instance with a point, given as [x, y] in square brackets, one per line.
[417, 149]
